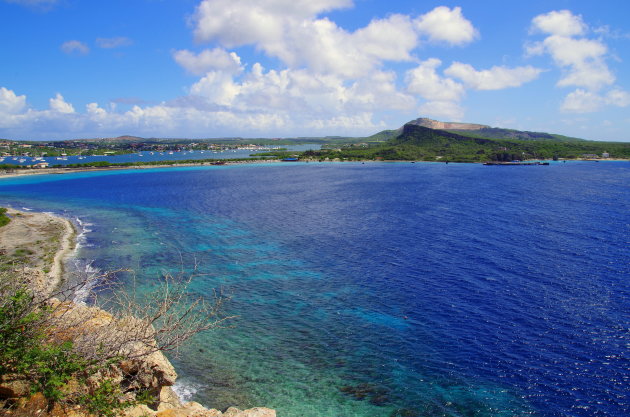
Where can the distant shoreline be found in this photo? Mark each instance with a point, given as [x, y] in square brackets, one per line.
[62, 170]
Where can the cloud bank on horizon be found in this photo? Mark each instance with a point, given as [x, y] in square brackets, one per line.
[288, 67]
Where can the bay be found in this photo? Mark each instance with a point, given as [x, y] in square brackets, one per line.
[379, 289]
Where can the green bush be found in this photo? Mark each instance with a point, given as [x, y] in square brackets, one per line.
[4, 219]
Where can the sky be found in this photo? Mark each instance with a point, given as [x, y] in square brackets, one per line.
[286, 68]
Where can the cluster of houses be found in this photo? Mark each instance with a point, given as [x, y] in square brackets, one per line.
[595, 156]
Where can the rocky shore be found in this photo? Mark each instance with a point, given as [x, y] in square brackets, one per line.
[42, 242]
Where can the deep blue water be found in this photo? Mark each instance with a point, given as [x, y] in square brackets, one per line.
[381, 289]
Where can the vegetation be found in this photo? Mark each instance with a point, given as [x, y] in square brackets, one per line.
[425, 144]
[57, 351]
[4, 219]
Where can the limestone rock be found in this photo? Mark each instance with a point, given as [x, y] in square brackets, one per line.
[140, 411]
[168, 399]
[191, 409]
[252, 412]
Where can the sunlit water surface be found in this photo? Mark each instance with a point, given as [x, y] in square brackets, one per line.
[375, 290]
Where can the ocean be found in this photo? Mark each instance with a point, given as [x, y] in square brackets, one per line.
[378, 289]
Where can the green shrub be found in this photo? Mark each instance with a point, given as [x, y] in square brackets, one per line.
[4, 219]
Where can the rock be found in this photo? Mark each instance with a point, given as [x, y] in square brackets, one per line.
[160, 368]
[168, 399]
[35, 406]
[68, 411]
[140, 411]
[14, 388]
[252, 412]
[259, 412]
[191, 409]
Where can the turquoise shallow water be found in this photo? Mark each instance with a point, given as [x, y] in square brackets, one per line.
[380, 289]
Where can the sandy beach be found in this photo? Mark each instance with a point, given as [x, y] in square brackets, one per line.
[59, 171]
[38, 244]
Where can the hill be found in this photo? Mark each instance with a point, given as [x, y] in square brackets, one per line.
[477, 131]
[436, 124]
[414, 141]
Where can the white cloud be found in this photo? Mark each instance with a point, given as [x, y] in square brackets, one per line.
[560, 23]
[259, 102]
[426, 82]
[618, 97]
[75, 46]
[582, 60]
[58, 104]
[570, 51]
[239, 22]
[445, 110]
[95, 111]
[443, 94]
[292, 32]
[217, 87]
[208, 60]
[582, 101]
[496, 78]
[111, 43]
[10, 103]
[591, 75]
[447, 25]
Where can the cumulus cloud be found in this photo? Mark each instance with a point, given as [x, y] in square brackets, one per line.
[447, 25]
[582, 60]
[442, 94]
[426, 82]
[111, 43]
[495, 78]
[10, 103]
[292, 32]
[239, 22]
[208, 60]
[446, 110]
[75, 47]
[560, 23]
[618, 97]
[582, 101]
[262, 102]
[59, 105]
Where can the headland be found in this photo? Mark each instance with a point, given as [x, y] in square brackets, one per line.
[35, 246]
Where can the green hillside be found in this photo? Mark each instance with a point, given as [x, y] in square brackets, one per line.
[511, 134]
[425, 144]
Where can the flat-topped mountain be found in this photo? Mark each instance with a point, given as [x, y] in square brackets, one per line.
[488, 132]
[436, 124]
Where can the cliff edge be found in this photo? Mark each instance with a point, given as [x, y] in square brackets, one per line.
[35, 246]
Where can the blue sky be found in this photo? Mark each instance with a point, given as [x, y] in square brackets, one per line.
[280, 68]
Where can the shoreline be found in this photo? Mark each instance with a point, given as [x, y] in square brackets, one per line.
[60, 171]
[42, 243]
[40, 233]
